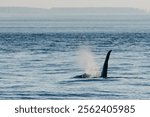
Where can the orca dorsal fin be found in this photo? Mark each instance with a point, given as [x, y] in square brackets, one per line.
[105, 66]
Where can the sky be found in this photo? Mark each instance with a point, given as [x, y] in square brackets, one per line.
[142, 4]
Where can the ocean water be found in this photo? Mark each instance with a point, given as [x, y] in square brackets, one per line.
[38, 59]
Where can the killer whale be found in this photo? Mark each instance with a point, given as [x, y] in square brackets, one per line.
[104, 70]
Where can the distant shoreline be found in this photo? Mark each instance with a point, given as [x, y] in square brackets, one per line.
[10, 13]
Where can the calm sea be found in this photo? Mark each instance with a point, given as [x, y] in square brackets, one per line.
[38, 58]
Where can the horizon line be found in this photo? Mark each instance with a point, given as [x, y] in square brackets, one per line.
[66, 7]
[42, 8]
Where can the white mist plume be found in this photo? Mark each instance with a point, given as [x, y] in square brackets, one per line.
[87, 62]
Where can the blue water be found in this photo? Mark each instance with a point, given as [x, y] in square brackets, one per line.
[38, 59]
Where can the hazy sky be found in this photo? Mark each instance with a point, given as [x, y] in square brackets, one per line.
[144, 4]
